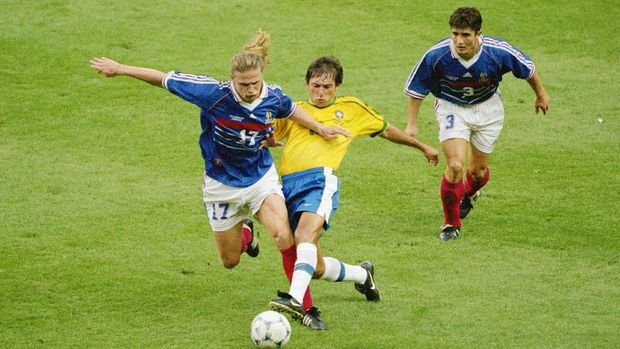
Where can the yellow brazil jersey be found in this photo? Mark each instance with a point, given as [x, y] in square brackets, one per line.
[305, 149]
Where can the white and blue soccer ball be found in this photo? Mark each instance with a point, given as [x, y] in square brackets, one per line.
[270, 329]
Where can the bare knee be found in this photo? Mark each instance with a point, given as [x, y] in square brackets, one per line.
[455, 169]
[282, 238]
[230, 261]
[478, 172]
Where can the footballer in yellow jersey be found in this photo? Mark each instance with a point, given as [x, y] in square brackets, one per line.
[304, 149]
[311, 189]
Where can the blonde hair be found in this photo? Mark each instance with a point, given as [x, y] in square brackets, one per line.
[254, 55]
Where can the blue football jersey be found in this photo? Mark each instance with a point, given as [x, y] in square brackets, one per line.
[232, 130]
[446, 75]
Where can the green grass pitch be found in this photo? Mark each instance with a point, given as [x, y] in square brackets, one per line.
[103, 239]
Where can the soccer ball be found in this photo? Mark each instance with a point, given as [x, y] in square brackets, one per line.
[270, 329]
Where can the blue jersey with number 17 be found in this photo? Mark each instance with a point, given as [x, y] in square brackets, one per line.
[232, 130]
[446, 75]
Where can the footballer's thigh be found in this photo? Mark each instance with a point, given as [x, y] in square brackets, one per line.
[273, 216]
[478, 162]
[226, 209]
[454, 149]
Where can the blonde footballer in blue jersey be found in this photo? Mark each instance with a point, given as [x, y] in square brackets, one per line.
[311, 188]
[463, 72]
[236, 116]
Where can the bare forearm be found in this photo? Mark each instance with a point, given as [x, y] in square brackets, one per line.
[305, 120]
[395, 135]
[112, 68]
[149, 75]
[414, 105]
[537, 85]
[542, 98]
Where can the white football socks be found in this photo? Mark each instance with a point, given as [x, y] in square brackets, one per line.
[304, 269]
[335, 270]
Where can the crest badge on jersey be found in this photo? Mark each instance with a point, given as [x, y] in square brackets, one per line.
[268, 118]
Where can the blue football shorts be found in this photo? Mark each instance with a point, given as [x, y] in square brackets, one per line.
[315, 190]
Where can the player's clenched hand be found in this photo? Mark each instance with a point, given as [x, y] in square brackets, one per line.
[105, 66]
[270, 142]
[542, 103]
[431, 154]
[332, 132]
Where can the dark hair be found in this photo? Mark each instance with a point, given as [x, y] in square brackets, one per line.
[466, 17]
[326, 65]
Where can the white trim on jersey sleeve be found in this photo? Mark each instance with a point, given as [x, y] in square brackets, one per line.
[294, 107]
[164, 80]
[506, 47]
[414, 94]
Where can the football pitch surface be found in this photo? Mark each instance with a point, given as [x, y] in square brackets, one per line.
[103, 238]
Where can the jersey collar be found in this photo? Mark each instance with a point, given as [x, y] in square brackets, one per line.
[257, 101]
[471, 61]
[327, 106]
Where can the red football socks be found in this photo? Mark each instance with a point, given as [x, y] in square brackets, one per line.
[246, 237]
[472, 186]
[451, 195]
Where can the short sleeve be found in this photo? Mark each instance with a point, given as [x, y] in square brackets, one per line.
[201, 90]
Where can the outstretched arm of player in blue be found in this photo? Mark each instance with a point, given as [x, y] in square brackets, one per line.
[304, 119]
[395, 135]
[111, 68]
[542, 98]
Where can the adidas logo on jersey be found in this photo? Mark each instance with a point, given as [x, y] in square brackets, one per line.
[467, 75]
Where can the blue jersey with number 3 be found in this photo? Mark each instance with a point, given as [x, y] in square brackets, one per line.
[232, 130]
[446, 75]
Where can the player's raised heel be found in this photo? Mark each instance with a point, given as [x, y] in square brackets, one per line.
[449, 232]
[467, 204]
[252, 248]
[288, 305]
[369, 287]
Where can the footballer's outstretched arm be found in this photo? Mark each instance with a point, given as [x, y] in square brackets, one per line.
[304, 119]
[395, 135]
[111, 68]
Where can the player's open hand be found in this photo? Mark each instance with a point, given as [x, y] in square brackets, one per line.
[332, 132]
[270, 142]
[105, 66]
[542, 103]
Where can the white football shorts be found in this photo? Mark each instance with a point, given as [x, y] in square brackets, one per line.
[227, 206]
[480, 124]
